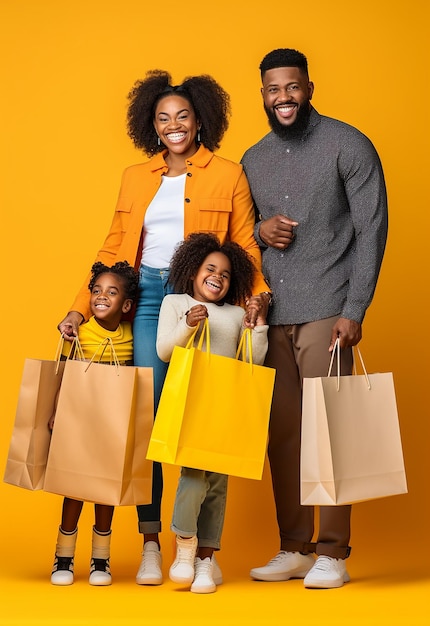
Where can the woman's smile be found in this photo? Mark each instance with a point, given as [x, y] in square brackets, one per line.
[175, 137]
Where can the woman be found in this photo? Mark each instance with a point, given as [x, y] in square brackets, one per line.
[183, 188]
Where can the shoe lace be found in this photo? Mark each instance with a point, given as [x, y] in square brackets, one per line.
[183, 553]
[150, 559]
[63, 563]
[100, 565]
[324, 563]
[278, 558]
[203, 567]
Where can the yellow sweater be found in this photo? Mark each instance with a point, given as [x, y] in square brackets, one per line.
[91, 335]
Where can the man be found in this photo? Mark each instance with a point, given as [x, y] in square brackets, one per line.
[319, 190]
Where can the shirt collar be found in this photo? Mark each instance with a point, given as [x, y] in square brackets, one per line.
[314, 120]
[200, 159]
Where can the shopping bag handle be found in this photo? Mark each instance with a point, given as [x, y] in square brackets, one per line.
[336, 351]
[75, 353]
[59, 351]
[244, 348]
[204, 334]
[99, 352]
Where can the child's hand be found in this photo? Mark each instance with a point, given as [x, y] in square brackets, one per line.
[196, 314]
[256, 311]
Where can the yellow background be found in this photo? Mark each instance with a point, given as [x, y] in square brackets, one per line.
[66, 69]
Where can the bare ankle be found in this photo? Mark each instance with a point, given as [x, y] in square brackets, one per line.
[204, 553]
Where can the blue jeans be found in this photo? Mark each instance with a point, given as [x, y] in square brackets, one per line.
[200, 506]
[153, 287]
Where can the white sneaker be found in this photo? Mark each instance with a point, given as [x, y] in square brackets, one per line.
[216, 571]
[283, 566]
[100, 575]
[327, 573]
[62, 572]
[182, 568]
[149, 572]
[203, 577]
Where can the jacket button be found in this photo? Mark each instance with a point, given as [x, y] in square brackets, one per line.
[189, 174]
[187, 200]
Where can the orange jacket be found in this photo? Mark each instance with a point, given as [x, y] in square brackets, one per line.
[217, 200]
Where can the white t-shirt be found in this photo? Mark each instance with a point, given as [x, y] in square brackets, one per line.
[163, 226]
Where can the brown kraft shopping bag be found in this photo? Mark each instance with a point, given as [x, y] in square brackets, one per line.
[102, 428]
[29, 445]
[351, 448]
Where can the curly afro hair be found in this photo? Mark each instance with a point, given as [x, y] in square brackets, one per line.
[193, 251]
[284, 57]
[211, 105]
[127, 273]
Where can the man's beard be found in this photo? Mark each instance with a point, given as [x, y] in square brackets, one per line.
[296, 130]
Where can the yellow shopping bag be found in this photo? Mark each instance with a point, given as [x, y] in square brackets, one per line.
[214, 411]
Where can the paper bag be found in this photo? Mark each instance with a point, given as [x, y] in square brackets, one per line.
[101, 432]
[213, 412]
[28, 451]
[351, 448]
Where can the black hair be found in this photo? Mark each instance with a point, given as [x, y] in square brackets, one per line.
[284, 57]
[127, 273]
[211, 105]
[192, 252]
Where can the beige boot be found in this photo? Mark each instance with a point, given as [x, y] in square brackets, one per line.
[62, 572]
[100, 569]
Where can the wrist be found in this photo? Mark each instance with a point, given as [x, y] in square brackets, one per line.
[259, 238]
[267, 296]
[76, 314]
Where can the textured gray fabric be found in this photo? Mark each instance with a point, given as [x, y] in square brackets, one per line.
[331, 182]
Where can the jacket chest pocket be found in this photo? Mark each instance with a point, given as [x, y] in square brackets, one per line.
[123, 211]
[214, 214]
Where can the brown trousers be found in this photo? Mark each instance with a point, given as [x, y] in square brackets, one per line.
[297, 352]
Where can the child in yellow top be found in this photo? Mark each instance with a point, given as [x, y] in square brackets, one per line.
[113, 290]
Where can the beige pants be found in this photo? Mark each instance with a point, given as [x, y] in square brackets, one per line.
[297, 352]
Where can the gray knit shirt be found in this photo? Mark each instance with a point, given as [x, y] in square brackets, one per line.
[331, 182]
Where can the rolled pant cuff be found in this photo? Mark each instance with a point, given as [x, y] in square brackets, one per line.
[183, 533]
[336, 552]
[209, 543]
[305, 547]
[149, 528]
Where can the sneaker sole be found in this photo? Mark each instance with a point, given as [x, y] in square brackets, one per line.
[210, 589]
[100, 583]
[62, 583]
[148, 581]
[327, 584]
[281, 576]
[181, 580]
